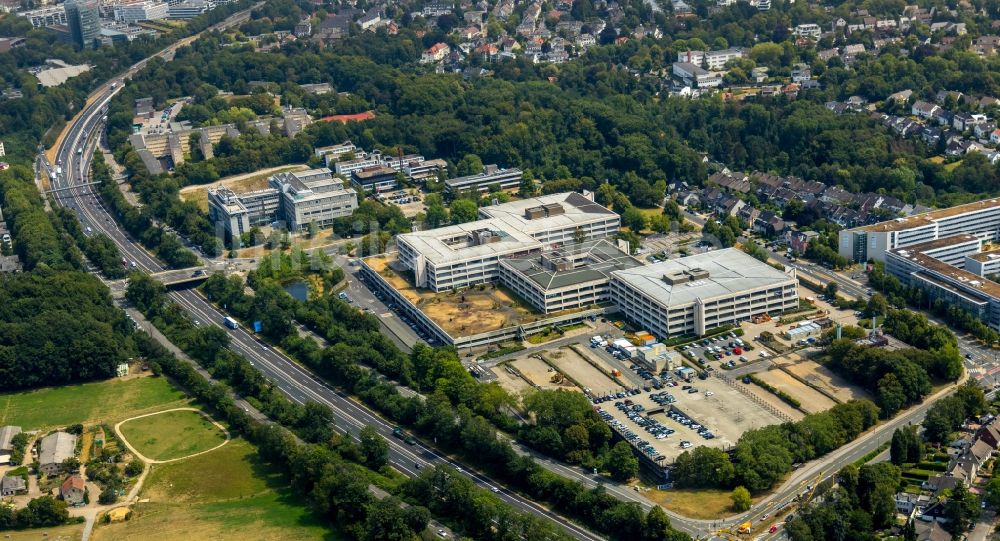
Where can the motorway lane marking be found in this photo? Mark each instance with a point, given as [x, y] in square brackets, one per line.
[404, 451]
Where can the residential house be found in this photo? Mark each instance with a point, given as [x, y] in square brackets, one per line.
[957, 147]
[12, 486]
[931, 531]
[748, 214]
[984, 129]
[902, 96]
[943, 117]
[924, 109]
[728, 205]
[769, 224]
[801, 72]
[853, 50]
[73, 490]
[799, 241]
[54, 449]
[435, 53]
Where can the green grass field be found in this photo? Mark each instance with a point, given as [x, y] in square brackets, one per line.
[227, 494]
[173, 434]
[105, 401]
[72, 532]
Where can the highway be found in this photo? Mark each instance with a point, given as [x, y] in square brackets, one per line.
[301, 386]
[75, 153]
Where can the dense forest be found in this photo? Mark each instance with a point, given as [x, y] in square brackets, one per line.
[58, 327]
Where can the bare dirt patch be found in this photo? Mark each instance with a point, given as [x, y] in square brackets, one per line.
[539, 373]
[823, 378]
[576, 367]
[810, 399]
[473, 310]
[512, 383]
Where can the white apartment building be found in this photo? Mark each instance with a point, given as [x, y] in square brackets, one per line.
[695, 294]
[808, 30]
[467, 254]
[713, 60]
[981, 219]
[148, 10]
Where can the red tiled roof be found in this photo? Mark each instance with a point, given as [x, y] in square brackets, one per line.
[357, 117]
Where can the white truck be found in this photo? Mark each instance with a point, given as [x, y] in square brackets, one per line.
[231, 323]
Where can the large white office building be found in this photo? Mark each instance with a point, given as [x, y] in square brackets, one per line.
[954, 270]
[692, 295]
[313, 196]
[297, 198]
[467, 254]
[147, 10]
[575, 276]
[872, 242]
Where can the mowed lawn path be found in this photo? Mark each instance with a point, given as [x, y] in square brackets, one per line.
[101, 401]
[172, 434]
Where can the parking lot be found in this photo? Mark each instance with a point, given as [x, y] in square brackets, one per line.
[723, 352]
[664, 422]
[410, 201]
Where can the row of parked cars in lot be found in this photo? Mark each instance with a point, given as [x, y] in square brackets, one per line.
[686, 421]
[636, 440]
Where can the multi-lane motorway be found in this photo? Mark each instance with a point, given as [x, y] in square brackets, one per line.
[74, 156]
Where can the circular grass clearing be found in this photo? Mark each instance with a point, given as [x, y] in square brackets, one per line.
[172, 434]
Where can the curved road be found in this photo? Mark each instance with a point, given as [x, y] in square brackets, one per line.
[75, 153]
[301, 386]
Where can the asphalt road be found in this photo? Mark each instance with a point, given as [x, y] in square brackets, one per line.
[297, 383]
[302, 386]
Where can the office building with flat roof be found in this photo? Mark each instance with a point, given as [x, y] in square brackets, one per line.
[576, 276]
[872, 242]
[313, 196]
[558, 218]
[467, 254]
[377, 179]
[237, 213]
[297, 198]
[692, 295]
[146, 10]
[953, 270]
[46, 16]
[491, 177]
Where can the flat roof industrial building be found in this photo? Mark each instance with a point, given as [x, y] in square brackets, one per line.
[691, 295]
[467, 254]
[981, 218]
[953, 270]
[575, 276]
